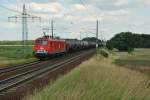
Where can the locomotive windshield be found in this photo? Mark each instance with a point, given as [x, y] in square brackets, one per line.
[42, 42]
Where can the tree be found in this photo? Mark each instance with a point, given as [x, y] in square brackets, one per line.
[109, 45]
[123, 41]
[127, 41]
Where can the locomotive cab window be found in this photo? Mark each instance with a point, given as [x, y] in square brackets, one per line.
[41, 42]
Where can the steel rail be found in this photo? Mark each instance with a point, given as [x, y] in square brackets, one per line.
[13, 81]
[16, 67]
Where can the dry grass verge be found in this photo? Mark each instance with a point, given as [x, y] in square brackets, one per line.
[97, 79]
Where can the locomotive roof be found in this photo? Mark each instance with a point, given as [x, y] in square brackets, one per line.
[49, 39]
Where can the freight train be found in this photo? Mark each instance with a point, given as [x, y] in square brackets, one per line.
[46, 46]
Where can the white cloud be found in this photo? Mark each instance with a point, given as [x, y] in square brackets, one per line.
[53, 7]
[9, 25]
[121, 12]
[120, 2]
[108, 2]
[78, 7]
[81, 18]
[143, 2]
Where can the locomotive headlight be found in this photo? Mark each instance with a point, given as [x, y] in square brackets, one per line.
[45, 51]
[41, 51]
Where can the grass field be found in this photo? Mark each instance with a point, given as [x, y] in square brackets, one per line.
[139, 60]
[99, 79]
[14, 55]
[29, 42]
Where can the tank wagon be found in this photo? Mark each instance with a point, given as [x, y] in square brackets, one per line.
[45, 46]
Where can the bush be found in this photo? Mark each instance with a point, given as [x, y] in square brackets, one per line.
[109, 45]
[103, 53]
[130, 50]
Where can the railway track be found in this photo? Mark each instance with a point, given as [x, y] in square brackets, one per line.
[13, 81]
[16, 67]
[22, 69]
[19, 69]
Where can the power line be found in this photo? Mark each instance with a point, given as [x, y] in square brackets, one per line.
[82, 3]
[10, 9]
[4, 7]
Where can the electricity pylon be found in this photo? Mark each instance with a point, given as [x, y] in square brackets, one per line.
[24, 16]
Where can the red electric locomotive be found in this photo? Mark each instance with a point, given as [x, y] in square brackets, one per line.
[46, 46]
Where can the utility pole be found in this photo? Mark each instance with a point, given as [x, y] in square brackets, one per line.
[24, 25]
[44, 33]
[52, 28]
[80, 36]
[97, 33]
[24, 16]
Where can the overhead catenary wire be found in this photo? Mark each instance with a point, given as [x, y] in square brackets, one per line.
[10, 9]
[91, 13]
[16, 11]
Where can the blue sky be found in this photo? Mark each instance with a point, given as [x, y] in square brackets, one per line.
[72, 17]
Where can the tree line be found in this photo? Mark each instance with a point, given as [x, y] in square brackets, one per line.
[127, 41]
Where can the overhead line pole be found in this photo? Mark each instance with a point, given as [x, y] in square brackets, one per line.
[52, 28]
[24, 16]
[97, 33]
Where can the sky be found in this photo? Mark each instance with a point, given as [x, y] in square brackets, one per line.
[75, 18]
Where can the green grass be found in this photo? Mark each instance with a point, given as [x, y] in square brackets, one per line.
[29, 42]
[14, 55]
[138, 60]
[97, 79]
